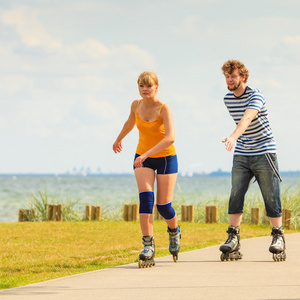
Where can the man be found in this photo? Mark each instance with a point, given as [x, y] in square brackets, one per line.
[254, 156]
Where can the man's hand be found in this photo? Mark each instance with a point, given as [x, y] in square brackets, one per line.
[229, 143]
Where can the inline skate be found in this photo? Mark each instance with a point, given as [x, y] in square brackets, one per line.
[146, 258]
[174, 239]
[230, 249]
[277, 246]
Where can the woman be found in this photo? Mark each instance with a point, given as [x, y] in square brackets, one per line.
[155, 153]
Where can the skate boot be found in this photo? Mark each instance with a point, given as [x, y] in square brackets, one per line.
[146, 258]
[230, 249]
[277, 246]
[174, 238]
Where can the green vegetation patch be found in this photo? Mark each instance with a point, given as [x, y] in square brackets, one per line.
[37, 251]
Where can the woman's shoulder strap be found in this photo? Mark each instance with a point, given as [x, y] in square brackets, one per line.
[161, 108]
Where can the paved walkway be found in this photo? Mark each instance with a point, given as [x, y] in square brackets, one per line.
[197, 275]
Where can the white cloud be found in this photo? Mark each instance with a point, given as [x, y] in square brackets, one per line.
[46, 87]
[29, 28]
[292, 40]
[69, 69]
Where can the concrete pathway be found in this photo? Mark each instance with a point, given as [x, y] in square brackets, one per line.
[197, 275]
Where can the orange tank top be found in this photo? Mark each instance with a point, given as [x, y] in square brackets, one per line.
[150, 134]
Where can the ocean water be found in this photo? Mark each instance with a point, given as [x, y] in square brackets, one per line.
[111, 192]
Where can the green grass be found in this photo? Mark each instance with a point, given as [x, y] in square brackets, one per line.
[37, 251]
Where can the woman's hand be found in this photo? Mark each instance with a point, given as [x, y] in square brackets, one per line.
[117, 147]
[138, 163]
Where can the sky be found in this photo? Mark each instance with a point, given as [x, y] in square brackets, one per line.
[69, 69]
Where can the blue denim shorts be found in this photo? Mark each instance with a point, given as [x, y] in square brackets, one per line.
[162, 165]
[262, 167]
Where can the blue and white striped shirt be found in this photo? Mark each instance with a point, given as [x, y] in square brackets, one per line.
[258, 138]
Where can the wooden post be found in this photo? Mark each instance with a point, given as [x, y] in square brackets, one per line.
[26, 215]
[131, 212]
[130, 209]
[93, 213]
[88, 212]
[255, 215]
[59, 214]
[135, 212]
[207, 214]
[50, 212]
[211, 214]
[190, 214]
[126, 209]
[55, 212]
[21, 215]
[214, 214]
[287, 218]
[97, 213]
[184, 213]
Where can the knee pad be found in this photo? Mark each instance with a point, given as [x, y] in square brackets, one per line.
[166, 210]
[146, 202]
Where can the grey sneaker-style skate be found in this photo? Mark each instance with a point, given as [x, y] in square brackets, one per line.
[230, 249]
[277, 246]
[146, 258]
[174, 239]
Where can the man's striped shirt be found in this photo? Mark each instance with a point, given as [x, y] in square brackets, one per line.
[258, 138]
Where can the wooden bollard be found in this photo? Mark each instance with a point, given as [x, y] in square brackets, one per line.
[287, 218]
[211, 214]
[126, 208]
[93, 214]
[21, 216]
[97, 216]
[190, 213]
[59, 212]
[88, 213]
[255, 215]
[55, 212]
[26, 215]
[135, 212]
[50, 212]
[184, 213]
[131, 212]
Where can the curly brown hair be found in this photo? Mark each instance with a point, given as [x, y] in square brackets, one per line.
[231, 65]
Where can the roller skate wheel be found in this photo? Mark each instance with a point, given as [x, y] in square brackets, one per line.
[278, 257]
[275, 257]
[140, 263]
[175, 258]
[222, 257]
